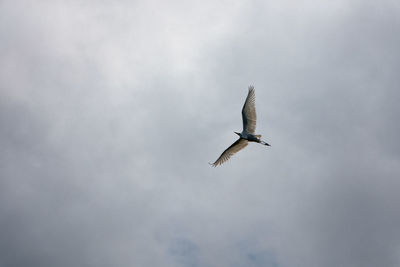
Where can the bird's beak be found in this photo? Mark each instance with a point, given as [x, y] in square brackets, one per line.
[237, 133]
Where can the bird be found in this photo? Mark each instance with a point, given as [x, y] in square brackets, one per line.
[247, 135]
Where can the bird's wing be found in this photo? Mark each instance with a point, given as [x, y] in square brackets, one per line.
[249, 115]
[235, 147]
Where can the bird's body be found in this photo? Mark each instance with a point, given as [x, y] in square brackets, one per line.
[249, 137]
[249, 117]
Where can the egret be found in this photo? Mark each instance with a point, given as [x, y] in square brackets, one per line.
[249, 118]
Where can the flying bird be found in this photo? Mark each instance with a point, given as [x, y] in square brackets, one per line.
[249, 117]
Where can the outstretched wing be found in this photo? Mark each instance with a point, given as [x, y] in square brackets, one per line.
[249, 115]
[235, 147]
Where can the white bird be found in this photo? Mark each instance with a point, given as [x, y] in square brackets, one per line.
[249, 117]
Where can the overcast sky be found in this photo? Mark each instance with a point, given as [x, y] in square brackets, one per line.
[111, 110]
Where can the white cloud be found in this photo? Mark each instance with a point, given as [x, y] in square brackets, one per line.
[111, 111]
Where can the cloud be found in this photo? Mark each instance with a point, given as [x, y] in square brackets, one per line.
[111, 111]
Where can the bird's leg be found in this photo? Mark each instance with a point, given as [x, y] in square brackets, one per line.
[264, 143]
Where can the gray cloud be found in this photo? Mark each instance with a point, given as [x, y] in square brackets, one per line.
[110, 113]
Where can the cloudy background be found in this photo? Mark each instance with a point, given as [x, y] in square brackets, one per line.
[111, 110]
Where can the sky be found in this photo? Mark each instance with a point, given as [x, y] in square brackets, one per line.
[110, 112]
